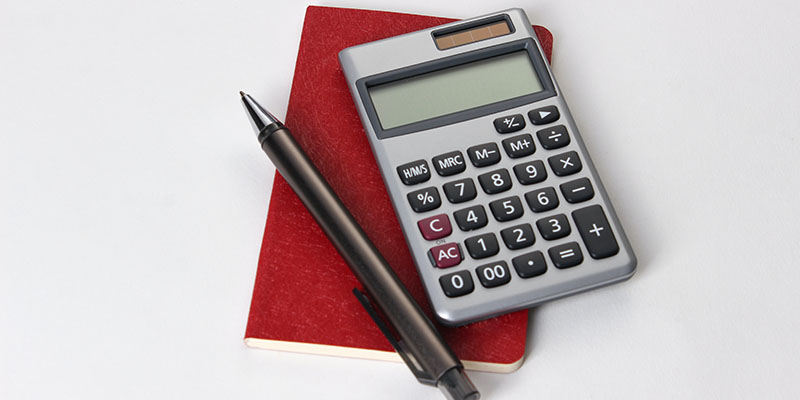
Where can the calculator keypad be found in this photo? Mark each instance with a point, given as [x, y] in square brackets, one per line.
[496, 181]
[554, 137]
[578, 190]
[471, 218]
[555, 227]
[509, 123]
[435, 227]
[530, 264]
[457, 284]
[494, 274]
[518, 237]
[482, 246]
[519, 146]
[530, 172]
[449, 163]
[424, 199]
[566, 255]
[484, 155]
[542, 200]
[544, 115]
[460, 191]
[506, 209]
[446, 255]
[592, 224]
[414, 172]
[590, 221]
[565, 164]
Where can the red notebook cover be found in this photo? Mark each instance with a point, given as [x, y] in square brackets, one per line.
[302, 299]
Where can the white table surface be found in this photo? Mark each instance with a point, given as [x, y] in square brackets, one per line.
[134, 197]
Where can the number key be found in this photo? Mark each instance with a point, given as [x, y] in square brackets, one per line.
[460, 191]
[530, 172]
[555, 227]
[542, 200]
[482, 246]
[518, 237]
[506, 209]
[457, 284]
[471, 218]
[493, 275]
[496, 181]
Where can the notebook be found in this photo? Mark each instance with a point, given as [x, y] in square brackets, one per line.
[302, 298]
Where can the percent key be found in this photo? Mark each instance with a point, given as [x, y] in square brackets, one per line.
[425, 199]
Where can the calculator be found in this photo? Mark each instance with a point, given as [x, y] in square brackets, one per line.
[500, 204]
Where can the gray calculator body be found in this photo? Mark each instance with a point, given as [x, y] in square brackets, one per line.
[503, 270]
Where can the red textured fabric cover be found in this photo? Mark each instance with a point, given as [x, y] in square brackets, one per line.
[303, 287]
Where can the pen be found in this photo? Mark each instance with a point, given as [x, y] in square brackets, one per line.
[419, 344]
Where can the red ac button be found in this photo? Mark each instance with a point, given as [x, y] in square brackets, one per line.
[446, 255]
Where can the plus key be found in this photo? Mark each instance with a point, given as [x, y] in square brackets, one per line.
[595, 232]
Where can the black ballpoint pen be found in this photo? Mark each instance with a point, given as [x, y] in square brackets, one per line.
[419, 343]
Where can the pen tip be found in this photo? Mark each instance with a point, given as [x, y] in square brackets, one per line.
[241, 93]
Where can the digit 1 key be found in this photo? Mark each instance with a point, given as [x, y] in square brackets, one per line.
[595, 231]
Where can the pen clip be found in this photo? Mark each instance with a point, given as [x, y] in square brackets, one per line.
[398, 345]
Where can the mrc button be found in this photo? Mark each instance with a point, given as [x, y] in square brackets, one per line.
[414, 172]
[449, 163]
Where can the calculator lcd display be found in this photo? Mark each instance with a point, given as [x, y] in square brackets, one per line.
[454, 89]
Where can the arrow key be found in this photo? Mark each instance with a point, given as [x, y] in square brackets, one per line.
[544, 115]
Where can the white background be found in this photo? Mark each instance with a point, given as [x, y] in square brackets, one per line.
[134, 197]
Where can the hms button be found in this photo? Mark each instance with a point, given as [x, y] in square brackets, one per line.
[414, 172]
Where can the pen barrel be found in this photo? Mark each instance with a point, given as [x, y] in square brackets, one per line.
[420, 337]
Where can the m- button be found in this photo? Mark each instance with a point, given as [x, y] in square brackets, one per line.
[414, 172]
[446, 255]
[484, 154]
[435, 227]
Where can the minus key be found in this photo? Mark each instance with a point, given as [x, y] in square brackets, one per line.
[577, 190]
